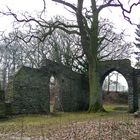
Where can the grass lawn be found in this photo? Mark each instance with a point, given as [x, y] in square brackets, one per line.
[42, 126]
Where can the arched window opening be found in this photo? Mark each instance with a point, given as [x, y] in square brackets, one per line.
[115, 89]
[54, 93]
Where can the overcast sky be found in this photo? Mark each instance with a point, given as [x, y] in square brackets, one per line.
[33, 6]
[52, 9]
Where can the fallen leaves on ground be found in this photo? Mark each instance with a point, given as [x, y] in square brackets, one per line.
[106, 129]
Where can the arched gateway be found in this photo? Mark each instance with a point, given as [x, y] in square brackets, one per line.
[29, 89]
[129, 73]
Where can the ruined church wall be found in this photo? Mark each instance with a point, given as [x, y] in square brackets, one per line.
[29, 92]
[73, 92]
[73, 87]
[137, 88]
[138, 91]
[123, 67]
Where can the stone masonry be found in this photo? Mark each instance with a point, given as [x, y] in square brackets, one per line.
[29, 90]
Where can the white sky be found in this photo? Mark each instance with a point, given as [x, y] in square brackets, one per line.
[33, 6]
[121, 80]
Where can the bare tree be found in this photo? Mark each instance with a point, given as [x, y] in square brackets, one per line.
[88, 24]
[87, 27]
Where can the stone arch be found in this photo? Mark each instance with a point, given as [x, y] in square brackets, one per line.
[114, 92]
[124, 68]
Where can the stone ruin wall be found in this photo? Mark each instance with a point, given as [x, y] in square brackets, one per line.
[31, 92]
[123, 67]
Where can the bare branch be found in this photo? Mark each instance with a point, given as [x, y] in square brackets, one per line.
[44, 8]
[119, 4]
[124, 11]
[49, 26]
[108, 4]
[67, 4]
[26, 20]
[130, 9]
[44, 5]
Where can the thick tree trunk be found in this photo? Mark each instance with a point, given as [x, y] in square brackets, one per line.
[95, 99]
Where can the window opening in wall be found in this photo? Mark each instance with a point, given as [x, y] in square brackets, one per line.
[55, 102]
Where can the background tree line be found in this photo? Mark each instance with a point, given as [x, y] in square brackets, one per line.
[60, 47]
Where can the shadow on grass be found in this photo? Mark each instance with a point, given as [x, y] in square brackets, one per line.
[111, 110]
[21, 116]
[116, 108]
[4, 118]
[121, 108]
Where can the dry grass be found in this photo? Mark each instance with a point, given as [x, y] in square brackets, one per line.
[114, 125]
